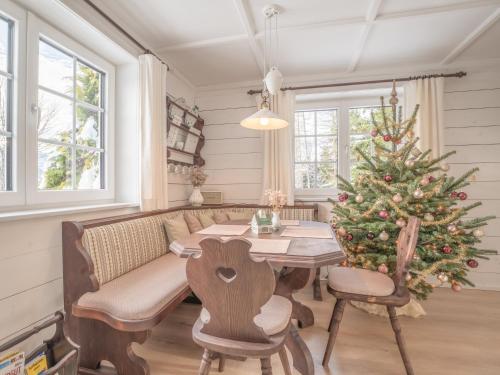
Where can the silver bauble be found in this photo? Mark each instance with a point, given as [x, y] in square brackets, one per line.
[478, 233]
[400, 222]
[397, 198]
[410, 163]
[428, 217]
[419, 194]
[359, 198]
[384, 236]
[445, 167]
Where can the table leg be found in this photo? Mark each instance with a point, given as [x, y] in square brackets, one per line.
[317, 286]
[291, 280]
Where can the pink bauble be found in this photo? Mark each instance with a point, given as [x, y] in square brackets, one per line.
[382, 268]
[456, 287]
[374, 133]
[383, 214]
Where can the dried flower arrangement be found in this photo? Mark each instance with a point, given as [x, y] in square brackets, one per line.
[198, 177]
[276, 199]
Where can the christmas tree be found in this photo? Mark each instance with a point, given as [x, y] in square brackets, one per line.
[395, 182]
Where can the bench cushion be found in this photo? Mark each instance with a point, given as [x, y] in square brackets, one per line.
[206, 220]
[192, 222]
[116, 249]
[141, 293]
[360, 281]
[176, 228]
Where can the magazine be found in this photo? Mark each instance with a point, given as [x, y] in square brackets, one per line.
[12, 364]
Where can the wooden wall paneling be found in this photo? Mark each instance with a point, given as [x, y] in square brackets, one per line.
[245, 192]
[214, 100]
[234, 161]
[472, 135]
[472, 117]
[474, 154]
[229, 131]
[232, 176]
[227, 115]
[233, 146]
[486, 98]
[487, 171]
[474, 81]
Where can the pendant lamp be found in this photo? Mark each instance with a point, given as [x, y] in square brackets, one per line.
[265, 118]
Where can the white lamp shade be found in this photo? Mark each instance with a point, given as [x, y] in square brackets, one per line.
[264, 119]
[273, 80]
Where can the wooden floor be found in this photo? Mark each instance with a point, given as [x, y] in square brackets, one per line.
[459, 335]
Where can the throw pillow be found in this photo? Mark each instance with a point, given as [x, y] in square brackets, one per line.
[206, 220]
[238, 216]
[192, 222]
[176, 228]
[220, 217]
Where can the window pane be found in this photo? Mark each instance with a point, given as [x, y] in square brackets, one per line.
[54, 167]
[4, 45]
[55, 119]
[304, 176]
[87, 127]
[55, 69]
[4, 110]
[304, 123]
[4, 163]
[304, 149]
[327, 149]
[327, 122]
[88, 174]
[88, 84]
[326, 175]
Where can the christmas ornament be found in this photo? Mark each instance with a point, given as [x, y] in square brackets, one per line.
[428, 217]
[419, 194]
[410, 163]
[424, 181]
[383, 214]
[388, 178]
[441, 208]
[444, 167]
[408, 277]
[382, 268]
[472, 263]
[447, 249]
[349, 237]
[397, 141]
[456, 287]
[416, 152]
[341, 232]
[462, 195]
[453, 195]
[400, 222]
[359, 198]
[387, 137]
[442, 277]
[370, 235]
[374, 133]
[397, 198]
[452, 228]
[384, 236]
[432, 178]
[478, 233]
[343, 197]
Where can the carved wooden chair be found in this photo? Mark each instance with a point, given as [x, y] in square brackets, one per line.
[241, 316]
[355, 284]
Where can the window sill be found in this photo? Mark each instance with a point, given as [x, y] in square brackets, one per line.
[45, 212]
[312, 199]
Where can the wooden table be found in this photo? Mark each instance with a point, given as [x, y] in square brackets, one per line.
[298, 270]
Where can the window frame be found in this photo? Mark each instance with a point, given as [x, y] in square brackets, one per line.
[343, 138]
[37, 30]
[16, 195]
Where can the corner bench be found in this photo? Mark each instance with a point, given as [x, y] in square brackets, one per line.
[120, 280]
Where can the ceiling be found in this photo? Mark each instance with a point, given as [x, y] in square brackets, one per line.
[221, 41]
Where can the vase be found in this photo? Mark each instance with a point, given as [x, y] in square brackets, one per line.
[196, 199]
[275, 220]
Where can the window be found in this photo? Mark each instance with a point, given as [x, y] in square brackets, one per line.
[316, 149]
[6, 93]
[322, 133]
[70, 122]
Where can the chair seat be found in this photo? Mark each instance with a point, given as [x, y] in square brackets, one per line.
[274, 317]
[360, 281]
[141, 293]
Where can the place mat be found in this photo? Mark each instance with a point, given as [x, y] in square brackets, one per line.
[225, 230]
[289, 222]
[308, 232]
[267, 246]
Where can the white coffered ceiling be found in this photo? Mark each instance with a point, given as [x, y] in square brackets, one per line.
[221, 41]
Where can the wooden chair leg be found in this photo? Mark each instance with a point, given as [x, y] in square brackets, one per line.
[206, 362]
[284, 361]
[265, 366]
[222, 362]
[396, 327]
[338, 311]
[331, 321]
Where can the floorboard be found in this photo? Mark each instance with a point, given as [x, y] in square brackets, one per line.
[460, 335]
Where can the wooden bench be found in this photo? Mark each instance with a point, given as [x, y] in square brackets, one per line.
[120, 280]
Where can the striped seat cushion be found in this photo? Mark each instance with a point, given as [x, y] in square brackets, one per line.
[119, 248]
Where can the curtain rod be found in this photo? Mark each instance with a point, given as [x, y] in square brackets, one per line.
[445, 75]
[124, 32]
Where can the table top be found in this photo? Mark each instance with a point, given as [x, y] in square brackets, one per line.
[302, 252]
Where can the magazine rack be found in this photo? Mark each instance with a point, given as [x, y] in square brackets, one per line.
[62, 354]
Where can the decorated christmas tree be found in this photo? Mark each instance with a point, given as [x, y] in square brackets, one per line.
[395, 181]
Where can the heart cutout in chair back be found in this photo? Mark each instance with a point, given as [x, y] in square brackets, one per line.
[226, 274]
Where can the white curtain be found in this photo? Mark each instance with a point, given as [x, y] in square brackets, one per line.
[152, 117]
[278, 159]
[429, 93]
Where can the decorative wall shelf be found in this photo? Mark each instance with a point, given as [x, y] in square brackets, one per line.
[185, 138]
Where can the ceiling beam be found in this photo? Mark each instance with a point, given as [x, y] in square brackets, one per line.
[249, 26]
[203, 43]
[472, 37]
[371, 16]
